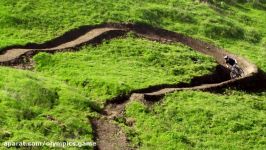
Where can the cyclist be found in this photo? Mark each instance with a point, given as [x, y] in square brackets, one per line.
[235, 70]
[230, 61]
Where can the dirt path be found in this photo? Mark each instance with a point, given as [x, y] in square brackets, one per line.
[109, 135]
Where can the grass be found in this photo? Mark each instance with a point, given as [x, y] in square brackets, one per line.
[66, 88]
[37, 108]
[235, 25]
[200, 120]
[122, 65]
[53, 102]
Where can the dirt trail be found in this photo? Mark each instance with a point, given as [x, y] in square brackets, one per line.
[109, 135]
[15, 53]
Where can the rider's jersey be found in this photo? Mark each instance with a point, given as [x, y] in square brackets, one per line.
[231, 61]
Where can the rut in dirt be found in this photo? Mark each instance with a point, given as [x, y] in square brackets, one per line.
[108, 135]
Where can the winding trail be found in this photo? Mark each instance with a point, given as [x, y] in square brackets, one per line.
[108, 135]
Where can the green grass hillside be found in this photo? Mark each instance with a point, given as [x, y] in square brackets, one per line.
[200, 120]
[54, 101]
[122, 65]
[235, 25]
[37, 108]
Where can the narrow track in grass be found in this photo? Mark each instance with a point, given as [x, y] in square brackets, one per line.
[107, 134]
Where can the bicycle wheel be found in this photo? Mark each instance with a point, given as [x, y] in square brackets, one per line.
[233, 75]
[241, 71]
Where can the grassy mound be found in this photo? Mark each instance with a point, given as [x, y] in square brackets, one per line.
[37, 108]
[122, 65]
[200, 120]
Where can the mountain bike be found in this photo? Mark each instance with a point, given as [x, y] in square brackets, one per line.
[236, 72]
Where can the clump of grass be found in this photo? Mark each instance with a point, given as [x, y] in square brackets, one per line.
[259, 4]
[157, 14]
[253, 36]
[218, 27]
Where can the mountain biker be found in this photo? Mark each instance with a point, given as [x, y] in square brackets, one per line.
[230, 61]
[235, 70]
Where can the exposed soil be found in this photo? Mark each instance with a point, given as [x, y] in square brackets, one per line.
[107, 134]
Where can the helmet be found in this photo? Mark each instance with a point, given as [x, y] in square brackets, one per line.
[226, 57]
